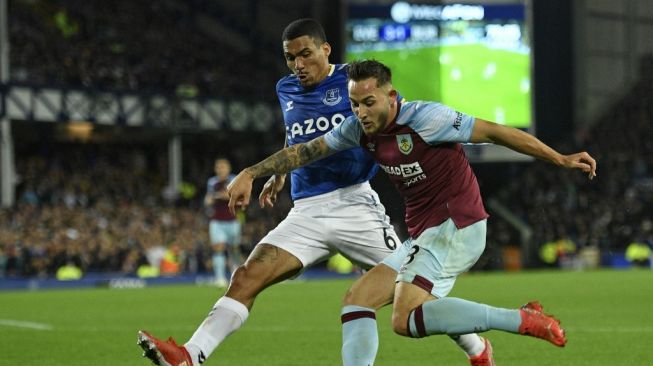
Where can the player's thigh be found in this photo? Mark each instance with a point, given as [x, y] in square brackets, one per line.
[407, 297]
[265, 266]
[374, 289]
[301, 234]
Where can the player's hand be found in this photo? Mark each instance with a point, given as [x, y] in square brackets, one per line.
[240, 190]
[273, 186]
[582, 161]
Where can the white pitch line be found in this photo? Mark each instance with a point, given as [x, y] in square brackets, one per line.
[23, 324]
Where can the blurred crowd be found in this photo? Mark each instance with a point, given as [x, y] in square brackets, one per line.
[131, 46]
[104, 207]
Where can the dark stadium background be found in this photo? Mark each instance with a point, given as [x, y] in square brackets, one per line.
[96, 192]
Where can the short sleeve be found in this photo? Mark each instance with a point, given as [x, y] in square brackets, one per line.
[437, 123]
[345, 135]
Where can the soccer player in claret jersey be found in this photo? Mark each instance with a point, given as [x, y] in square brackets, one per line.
[224, 228]
[335, 211]
[418, 145]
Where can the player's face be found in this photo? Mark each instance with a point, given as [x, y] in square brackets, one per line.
[307, 60]
[373, 105]
[222, 168]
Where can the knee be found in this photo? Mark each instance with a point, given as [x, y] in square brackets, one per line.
[244, 276]
[400, 323]
[374, 290]
[244, 284]
[366, 297]
[352, 298]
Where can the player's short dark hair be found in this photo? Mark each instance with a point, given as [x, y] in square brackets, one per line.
[365, 69]
[304, 27]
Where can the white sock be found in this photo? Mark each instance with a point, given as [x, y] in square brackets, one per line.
[226, 317]
[471, 343]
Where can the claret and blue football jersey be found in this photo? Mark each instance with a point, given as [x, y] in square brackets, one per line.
[311, 112]
[421, 153]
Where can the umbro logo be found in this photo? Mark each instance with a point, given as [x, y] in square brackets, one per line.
[458, 121]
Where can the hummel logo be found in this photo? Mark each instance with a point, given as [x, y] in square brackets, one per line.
[201, 357]
[289, 105]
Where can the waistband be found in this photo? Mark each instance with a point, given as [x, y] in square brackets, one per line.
[338, 193]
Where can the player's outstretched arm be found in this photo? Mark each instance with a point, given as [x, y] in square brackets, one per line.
[281, 162]
[525, 143]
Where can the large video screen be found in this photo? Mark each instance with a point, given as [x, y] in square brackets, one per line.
[474, 58]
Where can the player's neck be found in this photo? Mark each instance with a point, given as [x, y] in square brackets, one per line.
[393, 114]
[327, 72]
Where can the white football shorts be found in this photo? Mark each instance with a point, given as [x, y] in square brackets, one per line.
[350, 221]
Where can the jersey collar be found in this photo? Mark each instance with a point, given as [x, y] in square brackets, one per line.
[332, 68]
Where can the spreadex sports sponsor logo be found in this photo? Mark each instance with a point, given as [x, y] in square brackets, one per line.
[313, 125]
[412, 172]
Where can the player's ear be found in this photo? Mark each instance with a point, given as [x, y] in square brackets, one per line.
[326, 48]
[392, 94]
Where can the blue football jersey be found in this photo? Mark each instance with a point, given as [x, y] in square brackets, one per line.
[311, 112]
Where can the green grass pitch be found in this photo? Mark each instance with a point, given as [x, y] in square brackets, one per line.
[608, 316]
[487, 83]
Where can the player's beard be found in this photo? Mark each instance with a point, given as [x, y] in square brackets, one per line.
[382, 120]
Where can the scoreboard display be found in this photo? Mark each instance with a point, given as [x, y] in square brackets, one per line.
[473, 57]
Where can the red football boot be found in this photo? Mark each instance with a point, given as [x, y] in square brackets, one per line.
[162, 353]
[537, 324]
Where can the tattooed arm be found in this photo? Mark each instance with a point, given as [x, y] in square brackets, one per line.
[290, 158]
[281, 162]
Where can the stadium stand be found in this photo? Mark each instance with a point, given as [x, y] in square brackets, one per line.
[104, 207]
[605, 214]
[131, 46]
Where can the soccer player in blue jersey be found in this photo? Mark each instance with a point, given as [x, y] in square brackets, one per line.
[224, 228]
[418, 145]
[335, 211]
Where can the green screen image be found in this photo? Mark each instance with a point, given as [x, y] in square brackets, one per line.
[480, 67]
[485, 83]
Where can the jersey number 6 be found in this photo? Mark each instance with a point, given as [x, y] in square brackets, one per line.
[390, 242]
